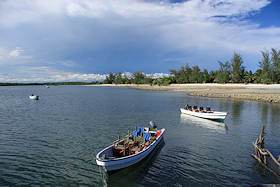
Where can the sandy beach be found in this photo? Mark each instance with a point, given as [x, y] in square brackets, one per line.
[256, 92]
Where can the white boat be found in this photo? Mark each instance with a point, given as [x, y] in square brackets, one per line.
[47, 86]
[34, 97]
[111, 158]
[213, 115]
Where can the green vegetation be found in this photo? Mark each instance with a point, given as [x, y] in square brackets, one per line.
[137, 78]
[229, 72]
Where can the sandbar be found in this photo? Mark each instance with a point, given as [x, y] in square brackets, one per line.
[255, 92]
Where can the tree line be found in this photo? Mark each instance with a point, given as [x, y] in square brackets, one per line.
[137, 78]
[231, 71]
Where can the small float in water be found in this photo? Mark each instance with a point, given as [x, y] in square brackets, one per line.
[264, 156]
[201, 113]
[34, 97]
[131, 149]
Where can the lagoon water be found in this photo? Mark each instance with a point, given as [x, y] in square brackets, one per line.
[53, 141]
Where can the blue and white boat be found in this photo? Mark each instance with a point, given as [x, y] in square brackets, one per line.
[129, 150]
[207, 114]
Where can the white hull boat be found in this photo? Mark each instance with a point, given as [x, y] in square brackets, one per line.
[34, 97]
[213, 115]
[111, 162]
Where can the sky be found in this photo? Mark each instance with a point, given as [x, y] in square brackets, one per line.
[84, 40]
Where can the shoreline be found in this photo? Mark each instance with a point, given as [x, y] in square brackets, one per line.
[254, 92]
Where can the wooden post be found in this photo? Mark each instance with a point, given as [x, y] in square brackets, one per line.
[261, 138]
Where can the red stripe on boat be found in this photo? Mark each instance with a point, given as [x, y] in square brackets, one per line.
[158, 133]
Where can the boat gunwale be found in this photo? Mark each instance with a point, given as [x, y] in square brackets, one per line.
[207, 113]
[129, 156]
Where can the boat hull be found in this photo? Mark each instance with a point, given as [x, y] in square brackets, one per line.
[34, 97]
[213, 116]
[123, 162]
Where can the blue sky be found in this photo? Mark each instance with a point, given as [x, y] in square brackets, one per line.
[83, 40]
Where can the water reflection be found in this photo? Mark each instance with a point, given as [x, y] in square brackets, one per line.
[132, 175]
[237, 108]
[205, 123]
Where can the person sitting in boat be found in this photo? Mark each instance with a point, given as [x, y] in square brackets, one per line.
[201, 109]
[194, 108]
[187, 107]
[208, 109]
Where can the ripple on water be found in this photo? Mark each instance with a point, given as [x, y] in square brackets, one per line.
[53, 141]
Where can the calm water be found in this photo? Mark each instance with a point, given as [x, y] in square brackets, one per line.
[54, 141]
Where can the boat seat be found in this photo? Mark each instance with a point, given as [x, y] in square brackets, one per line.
[135, 148]
[124, 138]
[147, 143]
[121, 145]
[137, 144]
[130, 137]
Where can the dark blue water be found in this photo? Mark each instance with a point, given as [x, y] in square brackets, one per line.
[54, 141]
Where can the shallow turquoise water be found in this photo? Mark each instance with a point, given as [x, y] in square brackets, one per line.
[54, 141]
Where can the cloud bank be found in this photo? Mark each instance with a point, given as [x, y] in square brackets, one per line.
[76, 40]
[67, 77]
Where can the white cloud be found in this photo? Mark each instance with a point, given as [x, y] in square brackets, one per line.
[188, 11]
[49, 74]
[13, 57]
[46, 74]
[61, 32]
[192, 10]
[150, 75]
[193, 25]
[16, 52]
[13, 13]
[157, 75]
[53, 77]
[76, 77]
[68, 63]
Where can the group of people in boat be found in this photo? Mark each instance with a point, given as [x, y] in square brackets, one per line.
[199, 109]
[135, 141]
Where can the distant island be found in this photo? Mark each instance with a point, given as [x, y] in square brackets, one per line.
[51, 83]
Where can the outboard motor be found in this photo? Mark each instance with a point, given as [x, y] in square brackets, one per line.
[153, 125]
